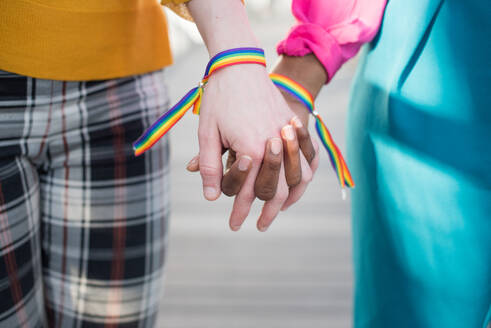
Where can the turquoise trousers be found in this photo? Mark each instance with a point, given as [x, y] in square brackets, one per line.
[419, 146]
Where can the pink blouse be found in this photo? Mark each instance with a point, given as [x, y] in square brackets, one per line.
[334, 30]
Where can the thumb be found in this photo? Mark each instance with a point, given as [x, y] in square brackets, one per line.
[210, 162]
[193, 165]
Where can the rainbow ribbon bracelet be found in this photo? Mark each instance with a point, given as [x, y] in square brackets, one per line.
[244, 56]
[193, 98]
[304, 96]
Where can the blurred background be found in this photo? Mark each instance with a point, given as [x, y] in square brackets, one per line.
[299, 273]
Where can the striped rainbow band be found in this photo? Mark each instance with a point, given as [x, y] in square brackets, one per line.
[304, 96]
[193, 98]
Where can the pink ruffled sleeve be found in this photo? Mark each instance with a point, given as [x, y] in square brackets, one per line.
[334, 30]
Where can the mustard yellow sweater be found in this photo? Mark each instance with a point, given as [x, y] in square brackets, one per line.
[84, 39]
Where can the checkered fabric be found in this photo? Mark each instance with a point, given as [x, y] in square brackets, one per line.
[82, 221]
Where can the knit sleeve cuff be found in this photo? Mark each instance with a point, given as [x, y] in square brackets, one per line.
[179, 7]
[308, 38]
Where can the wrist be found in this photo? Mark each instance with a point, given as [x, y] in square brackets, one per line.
[241, 70]
[297, 108]
[305, 70]
[237, 60]
[222, 24]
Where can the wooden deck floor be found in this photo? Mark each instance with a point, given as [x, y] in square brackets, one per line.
[298, 274]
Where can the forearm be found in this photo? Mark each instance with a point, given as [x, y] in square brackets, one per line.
[306, 70]
[332, 30]
[222, 24]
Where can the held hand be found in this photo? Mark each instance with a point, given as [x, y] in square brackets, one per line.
[241, 110]
[265, 185]
[310, 159]
[296, 169]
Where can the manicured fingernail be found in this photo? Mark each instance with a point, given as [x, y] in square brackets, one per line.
[244, 163]
[235, 228]
[210, 193]
[276, 146]
[296, 122]
[288, 133]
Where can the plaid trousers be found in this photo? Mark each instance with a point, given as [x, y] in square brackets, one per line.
[82, 221]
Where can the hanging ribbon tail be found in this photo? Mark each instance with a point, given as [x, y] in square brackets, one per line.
[348, 179]
[158, 129]
[306, 98]
[337, 161]
[193, 98]
[197, 104]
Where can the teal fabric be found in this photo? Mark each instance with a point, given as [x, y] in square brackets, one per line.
[419, 147]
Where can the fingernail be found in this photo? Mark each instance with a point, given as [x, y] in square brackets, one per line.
[244, 163]
[235, 228]
[192, 162]
[262, 228]
[296, 122]
[288, 132]
[276, 146]
[210, 193]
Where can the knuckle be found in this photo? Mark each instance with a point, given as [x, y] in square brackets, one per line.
[204, 136]
[249, 197]
[303, 134]
[294, 179]
[273, 164]
[208, 170]
[230, 187]
[265, 192]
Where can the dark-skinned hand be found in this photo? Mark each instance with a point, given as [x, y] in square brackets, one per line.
[279, 154]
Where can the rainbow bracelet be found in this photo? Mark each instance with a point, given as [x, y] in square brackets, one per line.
[304, 96]
[193, 98]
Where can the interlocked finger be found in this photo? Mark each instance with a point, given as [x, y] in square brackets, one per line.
[267, 179]
[236, 174]
[293, 170]
[304, 140]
